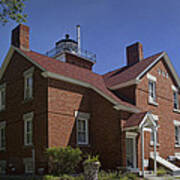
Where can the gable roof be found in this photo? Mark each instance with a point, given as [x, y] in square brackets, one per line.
[70, 73]
[129, 75]
[138, 120]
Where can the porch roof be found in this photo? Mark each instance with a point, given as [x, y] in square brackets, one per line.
[135, 119]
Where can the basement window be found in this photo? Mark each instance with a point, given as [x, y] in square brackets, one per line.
[2, 167]
[28, 166]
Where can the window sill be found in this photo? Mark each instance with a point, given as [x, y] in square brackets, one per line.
[2, 109]
[28, 146]
[83, 145]
[152, 144]
[27, 100]
[176, 111]
[153, 103]
[177, 146]
[2, 149]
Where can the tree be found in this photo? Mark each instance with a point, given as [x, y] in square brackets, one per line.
[12, 10]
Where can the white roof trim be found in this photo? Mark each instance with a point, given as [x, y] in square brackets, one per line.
[174, 88]
[150, 66]
[151, 77]
[148, 115]
[87, 85]
[63, 78]
[169, 64]
[125, 84]
[9, 56]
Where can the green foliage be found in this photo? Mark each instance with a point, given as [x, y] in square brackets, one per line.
[161, 172]
[64, 177]
[12, 10]
[63, 160]
[91, 159]
[116, 176]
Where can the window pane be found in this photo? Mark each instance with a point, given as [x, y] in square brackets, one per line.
[176, 102]
[82, 131]
[176, 135]
[2, 137]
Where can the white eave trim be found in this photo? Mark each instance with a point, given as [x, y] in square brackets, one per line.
[45, 73]
[9, 56]
[87, 85]
[176, 123]
[150, 66]
[125, 84]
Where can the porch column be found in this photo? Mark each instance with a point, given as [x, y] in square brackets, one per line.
[142, 149]
[155, 143]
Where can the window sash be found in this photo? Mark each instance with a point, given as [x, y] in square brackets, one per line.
[2, 98]
[176, 101]
[152, 90]
[28, 132]
[28, 90]
[177, 135]
[82, 131]
[2, 138]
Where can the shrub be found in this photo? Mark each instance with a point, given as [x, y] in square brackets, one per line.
[49, 177]
[63, 160]
[161, 172]
[91, 159]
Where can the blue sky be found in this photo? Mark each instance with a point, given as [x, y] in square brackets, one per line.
[107, 27]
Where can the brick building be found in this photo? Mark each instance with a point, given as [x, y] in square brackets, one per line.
[127, 116]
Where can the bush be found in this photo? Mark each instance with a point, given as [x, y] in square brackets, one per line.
[91, 159]
[63, 160]
[161, 172]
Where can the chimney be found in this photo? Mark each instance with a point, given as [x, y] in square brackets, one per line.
[134, 53]
[20, 37]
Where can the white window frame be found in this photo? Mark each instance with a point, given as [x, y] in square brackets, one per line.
[28, 161]
[82, 117]
[2, 90]
[152, 99]
[28, 74]
[28, 118]
[2, 127]
[177, 125]
[2, 166]
[175, 100]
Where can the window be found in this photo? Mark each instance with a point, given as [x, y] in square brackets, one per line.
[28, 165]
[2, 167]
[28, 84]
[2, 135]
[2, 96]
[177, 135]
[82, 128]
[28, 129]
[152, 135]
[152, 91]
[177, 132]
[176, 101]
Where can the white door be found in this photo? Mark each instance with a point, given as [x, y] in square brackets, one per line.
[130, 153]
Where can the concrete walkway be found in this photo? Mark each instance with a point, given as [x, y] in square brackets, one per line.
[161, 178]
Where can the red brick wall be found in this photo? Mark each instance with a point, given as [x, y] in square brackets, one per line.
[16, 107]
[104, 124]
[78, 61]
[164, 111]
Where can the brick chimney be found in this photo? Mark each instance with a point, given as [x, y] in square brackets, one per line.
[134, 53]
[20, 37]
